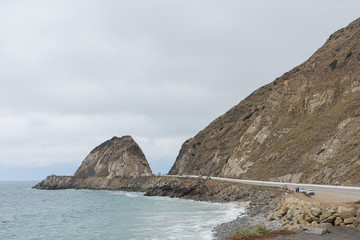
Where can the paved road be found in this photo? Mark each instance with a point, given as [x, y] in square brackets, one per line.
[316, 187]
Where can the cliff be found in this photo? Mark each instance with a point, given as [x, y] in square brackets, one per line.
[302, 127]
[114, 161]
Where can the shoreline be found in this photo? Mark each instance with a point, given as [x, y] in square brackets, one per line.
[258, 201]
[252, 199]
[239, 207]
[248, 219]
[221, 231]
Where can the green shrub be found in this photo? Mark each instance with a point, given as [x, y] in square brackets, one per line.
[333, 64]
[248, 116]
[348, 55]
[258, 230]
[321, 151]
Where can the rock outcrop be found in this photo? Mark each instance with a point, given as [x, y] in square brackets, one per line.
[302, 127]
[56, 182]
[117, 157]
[260, 198]
[112, 163]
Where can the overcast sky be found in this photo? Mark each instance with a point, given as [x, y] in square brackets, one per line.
[75, 73]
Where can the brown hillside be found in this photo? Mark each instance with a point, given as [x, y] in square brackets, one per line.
[304, 126]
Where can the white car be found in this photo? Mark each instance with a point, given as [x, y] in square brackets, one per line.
[302, 190]
[310, 192]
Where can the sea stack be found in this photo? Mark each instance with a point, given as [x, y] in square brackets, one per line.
[117, 157]
[108, 166]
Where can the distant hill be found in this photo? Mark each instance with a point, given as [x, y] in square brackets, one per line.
[304, 126]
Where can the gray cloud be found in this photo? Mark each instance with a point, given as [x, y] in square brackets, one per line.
[75, 73]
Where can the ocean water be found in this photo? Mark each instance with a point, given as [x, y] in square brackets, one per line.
[27, 213]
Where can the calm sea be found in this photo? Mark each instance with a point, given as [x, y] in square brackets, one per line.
[27, 213]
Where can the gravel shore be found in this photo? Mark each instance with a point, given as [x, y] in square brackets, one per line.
[223, 230]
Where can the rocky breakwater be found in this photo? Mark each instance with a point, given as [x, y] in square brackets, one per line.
[295, 213]
[115, 162]
[259, 199]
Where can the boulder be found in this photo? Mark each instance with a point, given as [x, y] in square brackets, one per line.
[313, 223]
[308, 218]
[316, 212]
[316, 219]
[356, 221]
[281, 213]
[337, 221]
[358, 212]
[348, 221]
[327, 217]
[346, 212]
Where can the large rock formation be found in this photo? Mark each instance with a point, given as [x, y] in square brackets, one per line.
[113, 164]
[117, 157]
[304, 126]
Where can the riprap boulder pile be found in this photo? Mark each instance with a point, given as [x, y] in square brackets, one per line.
[296, 213]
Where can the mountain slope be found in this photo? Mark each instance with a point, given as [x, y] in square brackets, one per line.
[304, 126]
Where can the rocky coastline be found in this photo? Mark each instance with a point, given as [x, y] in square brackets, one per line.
[263, 205]
[119, 164]
[259, 201]
[260, 198]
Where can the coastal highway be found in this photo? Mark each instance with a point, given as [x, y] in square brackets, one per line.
[342, 190]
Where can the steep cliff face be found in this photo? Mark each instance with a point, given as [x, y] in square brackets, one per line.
[117, 157]
[304, 126]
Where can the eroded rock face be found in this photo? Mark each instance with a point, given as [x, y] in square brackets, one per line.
[302, 127]
[117, 157]
[112, 164]
[56, 182]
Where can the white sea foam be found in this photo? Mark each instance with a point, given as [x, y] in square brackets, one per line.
[127, 194]
[197, 224]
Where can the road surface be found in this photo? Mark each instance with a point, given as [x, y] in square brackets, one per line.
[323, 193]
